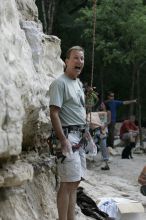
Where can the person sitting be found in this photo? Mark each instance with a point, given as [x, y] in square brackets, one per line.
[98, 127]
[129, 133]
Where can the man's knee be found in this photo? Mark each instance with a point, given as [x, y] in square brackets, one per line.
[74, 185]
[70, 185]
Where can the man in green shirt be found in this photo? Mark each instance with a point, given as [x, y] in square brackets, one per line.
[68, 116]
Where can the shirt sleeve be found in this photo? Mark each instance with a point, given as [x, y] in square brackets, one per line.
[118, 103]
[56, 92]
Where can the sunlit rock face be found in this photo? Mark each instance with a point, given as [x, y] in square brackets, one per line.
[27, 189]
[15, 174]
[27, 10]
[30, 60]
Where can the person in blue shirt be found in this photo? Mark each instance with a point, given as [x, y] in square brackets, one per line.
[113, 106]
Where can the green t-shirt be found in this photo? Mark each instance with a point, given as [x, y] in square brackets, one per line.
[68, 95]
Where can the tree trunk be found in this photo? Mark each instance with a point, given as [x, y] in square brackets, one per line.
[139, 106]
[131, 109]
[47, 9]
[50, 15]
[102, 84]
[44, 16]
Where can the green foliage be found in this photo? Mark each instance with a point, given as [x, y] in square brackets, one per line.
[120, 30]
[64, 26]
[120, 43]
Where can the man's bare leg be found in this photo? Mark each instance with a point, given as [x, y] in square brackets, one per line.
[63, 201]
[72, 200]
[66, 200]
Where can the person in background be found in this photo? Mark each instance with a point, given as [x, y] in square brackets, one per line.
[113, 106]
[105, 118]
[129, 133]
[99, 121]
[142, 176]
[91, 98]
[142, 181]
[68, 117]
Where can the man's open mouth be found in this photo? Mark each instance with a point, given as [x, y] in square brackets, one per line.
[77, 67]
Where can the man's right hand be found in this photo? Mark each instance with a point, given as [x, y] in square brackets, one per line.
[66, 147]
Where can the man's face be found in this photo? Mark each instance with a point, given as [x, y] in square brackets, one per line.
[75, 63]
[111, 96]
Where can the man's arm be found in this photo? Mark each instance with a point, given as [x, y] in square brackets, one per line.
[56, 123]
[129, 102]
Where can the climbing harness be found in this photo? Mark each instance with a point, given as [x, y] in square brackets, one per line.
[55, 148]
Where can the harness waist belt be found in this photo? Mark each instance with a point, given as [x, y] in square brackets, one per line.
[75, 127]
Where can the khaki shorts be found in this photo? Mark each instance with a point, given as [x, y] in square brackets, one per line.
[72, 169]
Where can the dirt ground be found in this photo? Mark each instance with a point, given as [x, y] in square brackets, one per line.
[120, 181]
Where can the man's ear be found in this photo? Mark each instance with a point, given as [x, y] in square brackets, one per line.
[66, 61]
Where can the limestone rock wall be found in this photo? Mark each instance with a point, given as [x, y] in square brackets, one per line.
[30, 60]
[35, 199]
